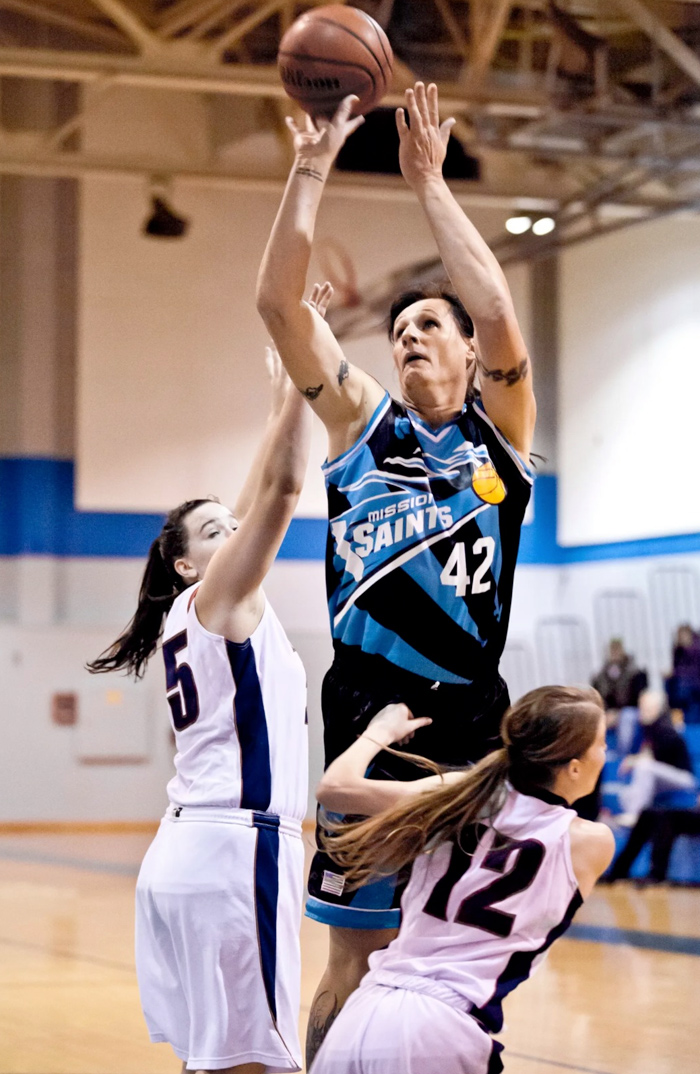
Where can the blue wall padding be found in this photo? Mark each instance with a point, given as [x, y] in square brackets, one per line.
[38, 517]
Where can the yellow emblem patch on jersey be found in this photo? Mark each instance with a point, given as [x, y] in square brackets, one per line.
[488, 485]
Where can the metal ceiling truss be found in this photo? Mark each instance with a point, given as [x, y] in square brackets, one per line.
[596, 100]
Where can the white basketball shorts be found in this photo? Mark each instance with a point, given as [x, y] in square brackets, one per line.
[218, 910]
[384, 1030]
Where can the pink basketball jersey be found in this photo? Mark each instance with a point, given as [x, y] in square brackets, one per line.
[477, 918]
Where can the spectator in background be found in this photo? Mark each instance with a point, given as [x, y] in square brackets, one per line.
[662, 772]
[683, 685]
[619, 683]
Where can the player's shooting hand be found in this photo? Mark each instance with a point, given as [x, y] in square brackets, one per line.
[320, 140]
[395, 724]
[423, 145]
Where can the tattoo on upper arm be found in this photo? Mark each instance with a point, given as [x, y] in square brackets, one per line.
[343, 371]
[312, 173]
[312, 393]
[509, 377]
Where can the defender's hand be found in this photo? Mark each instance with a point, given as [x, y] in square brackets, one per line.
[321, 294]
[279, 380]
[423, 145]
[320, 140]
[395, 724]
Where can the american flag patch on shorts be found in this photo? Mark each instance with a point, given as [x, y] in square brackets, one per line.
[333, 883]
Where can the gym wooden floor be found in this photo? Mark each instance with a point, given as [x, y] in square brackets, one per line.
[621, 997]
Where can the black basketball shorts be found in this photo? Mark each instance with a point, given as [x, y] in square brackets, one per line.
[466, 726]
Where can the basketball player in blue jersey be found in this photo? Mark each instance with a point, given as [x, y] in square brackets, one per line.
[219, 893]
[426, 498]
[500, 864]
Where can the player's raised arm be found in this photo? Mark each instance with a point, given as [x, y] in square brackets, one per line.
[229, 600]
[344, 788]
[505, 376]
[343, 396]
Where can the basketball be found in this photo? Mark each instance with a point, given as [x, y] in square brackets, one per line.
[333, 51]
[488, 485]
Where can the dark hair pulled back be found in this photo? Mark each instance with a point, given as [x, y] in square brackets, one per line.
[160, 585]
[542, 732]
[434, 291]
[462, 319]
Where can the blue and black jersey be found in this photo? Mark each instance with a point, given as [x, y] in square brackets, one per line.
[424, 527]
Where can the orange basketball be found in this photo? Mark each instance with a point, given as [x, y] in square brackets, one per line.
[330, 52]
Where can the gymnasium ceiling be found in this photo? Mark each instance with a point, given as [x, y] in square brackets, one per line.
[588, 110]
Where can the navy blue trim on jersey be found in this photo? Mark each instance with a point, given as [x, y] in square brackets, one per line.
[266, 894]
[495, 1062]
[544, 795]
[518, 969]
[251, 728]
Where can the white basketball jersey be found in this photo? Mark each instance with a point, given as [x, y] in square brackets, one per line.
[476, 919]
[239, 715]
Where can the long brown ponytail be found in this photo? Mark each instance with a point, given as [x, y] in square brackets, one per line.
[160, 585]
[542, 732]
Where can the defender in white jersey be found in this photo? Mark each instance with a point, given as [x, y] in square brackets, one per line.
[499, 865]
[218, 899]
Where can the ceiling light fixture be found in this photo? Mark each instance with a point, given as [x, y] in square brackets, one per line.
[518, 225]
[163, 222]
[544, 225]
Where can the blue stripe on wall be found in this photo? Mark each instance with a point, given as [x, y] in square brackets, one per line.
[538, 543]
[38, 517]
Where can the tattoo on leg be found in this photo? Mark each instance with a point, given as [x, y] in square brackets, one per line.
[312, 393]
[343, 371]
[508, 376]
[323, 1014]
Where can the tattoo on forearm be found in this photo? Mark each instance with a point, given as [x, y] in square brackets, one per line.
[312, 173]
[509, 377]
[321, 1017]
[343, 371]
[312, 393]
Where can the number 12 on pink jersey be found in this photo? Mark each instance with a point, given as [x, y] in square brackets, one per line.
[524, 857]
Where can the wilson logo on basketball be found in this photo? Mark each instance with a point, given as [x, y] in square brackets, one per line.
[294, 77]
[488, 485]
[330, 52]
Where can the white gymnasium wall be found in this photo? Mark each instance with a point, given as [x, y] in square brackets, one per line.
[629, 384]
[172, 384]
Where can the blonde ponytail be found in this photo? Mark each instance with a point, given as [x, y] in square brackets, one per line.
[383, 845]
[542, 732]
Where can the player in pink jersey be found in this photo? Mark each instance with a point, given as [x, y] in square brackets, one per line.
[499, 865]
[218, 898]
